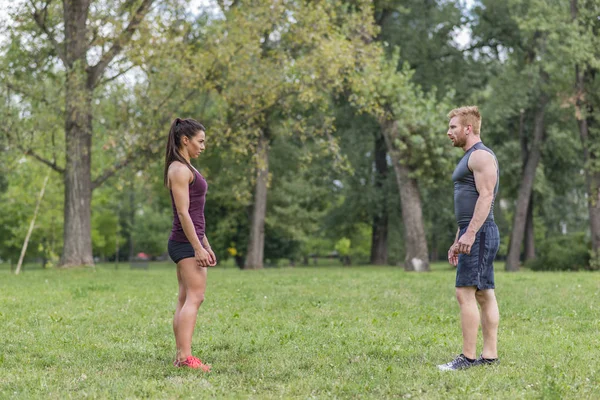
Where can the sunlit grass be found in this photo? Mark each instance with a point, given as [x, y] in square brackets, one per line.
[327, 332]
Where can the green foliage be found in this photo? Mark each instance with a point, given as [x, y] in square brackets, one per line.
[424, 32]
[24, 179]
[569, 252]
[151, 230]
[530, 48]
[105, 232]
[343, 247]
[390, 95]
[318, 245]
[356, 248]
[361, 243]
[293, 67]
[279, 62]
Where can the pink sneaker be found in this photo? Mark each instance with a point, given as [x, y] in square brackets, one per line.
[192, 362]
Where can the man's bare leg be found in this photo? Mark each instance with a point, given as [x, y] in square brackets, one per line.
[469, 319]
[490, 318]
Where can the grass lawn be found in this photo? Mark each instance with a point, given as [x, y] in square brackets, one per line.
[305, 332]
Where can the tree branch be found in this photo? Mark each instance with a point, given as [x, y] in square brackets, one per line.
[112, 170]
[385, 14]
[41, 99]
[135, 153]
[40, 20]
[112, 78]
[94, 72]
[127, 159]
[224, 9]
[51, 164]
[26, 93]
[30, 152]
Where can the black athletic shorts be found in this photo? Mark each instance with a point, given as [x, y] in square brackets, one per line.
[477, 268]
[180, 250]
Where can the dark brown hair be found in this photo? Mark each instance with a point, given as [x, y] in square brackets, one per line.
[180, 127]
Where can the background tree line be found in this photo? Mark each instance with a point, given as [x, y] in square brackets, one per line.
[326, 126]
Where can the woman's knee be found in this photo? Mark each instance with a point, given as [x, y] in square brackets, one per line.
[195, 298]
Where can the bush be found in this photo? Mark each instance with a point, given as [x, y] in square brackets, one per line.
[562, 253]
[595, 260]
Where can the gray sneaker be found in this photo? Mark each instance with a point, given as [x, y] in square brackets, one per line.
[486, 361]
[460, 362]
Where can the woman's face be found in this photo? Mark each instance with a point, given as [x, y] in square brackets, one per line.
[196, 144]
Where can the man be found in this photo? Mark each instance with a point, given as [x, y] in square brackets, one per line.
[477, 240]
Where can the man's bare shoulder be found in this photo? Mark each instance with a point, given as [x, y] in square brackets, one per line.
[481, 159]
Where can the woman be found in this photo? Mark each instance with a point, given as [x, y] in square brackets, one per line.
[188, 245]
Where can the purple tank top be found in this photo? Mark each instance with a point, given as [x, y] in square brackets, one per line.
[197, 189]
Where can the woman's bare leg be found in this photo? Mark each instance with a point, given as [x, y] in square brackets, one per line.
[194, 283]
[180, 302]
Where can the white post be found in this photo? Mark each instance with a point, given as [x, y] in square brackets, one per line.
[37, 207]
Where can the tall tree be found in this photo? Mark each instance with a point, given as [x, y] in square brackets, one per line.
[81, 80]
[523, 204]
[367, 192]
[280, 61]
[409, 121]
[424, 34]
[587, 103]
[379, 252]
[85, 50]
[81, 34]
[503, 32]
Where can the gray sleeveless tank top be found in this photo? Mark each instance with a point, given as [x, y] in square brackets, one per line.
[465, 191]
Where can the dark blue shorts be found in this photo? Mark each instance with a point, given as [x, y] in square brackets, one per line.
[180, 250]
[477, 268]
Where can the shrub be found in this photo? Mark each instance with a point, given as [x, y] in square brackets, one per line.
[562, 253]
[595, 260]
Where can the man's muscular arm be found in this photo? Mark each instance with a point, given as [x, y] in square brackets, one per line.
[485, 171]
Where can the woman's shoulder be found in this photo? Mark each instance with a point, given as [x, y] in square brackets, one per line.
[178, 167]
[178, 170]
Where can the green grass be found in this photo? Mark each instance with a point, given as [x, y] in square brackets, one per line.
[327, 332]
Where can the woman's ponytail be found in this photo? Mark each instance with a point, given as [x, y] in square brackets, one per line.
[179, 128]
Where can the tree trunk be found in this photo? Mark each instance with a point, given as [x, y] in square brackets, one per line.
[592, 180]
[593, 184]
[526, 188]
[78, 137]
[131, 217]
[239, 261]
[256, 242]
[585, 121]
[529, 233]
[584, 112]
[78, 179]
[434, 253]
[379, 254]
[417, 257]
